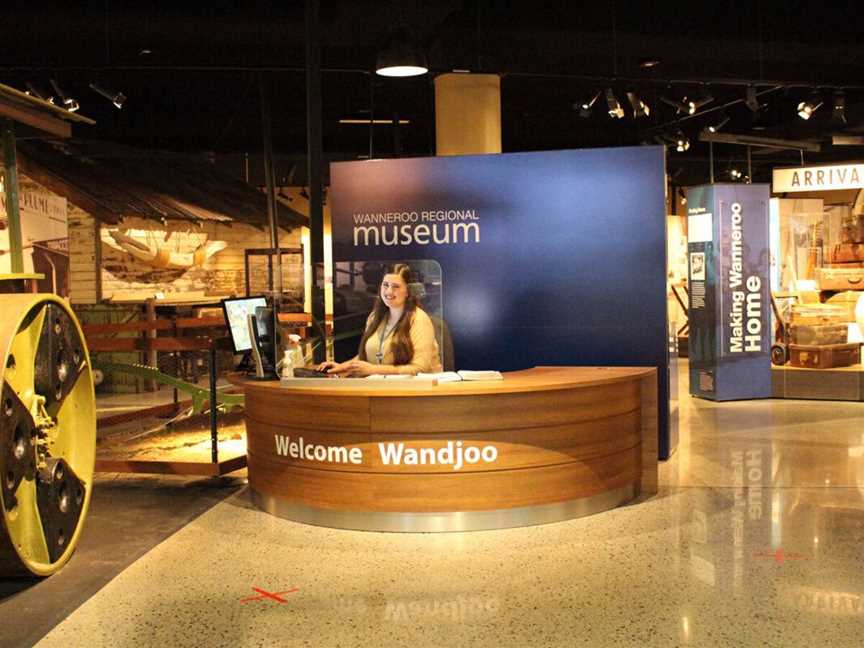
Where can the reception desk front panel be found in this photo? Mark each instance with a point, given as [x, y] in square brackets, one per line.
[544, 444]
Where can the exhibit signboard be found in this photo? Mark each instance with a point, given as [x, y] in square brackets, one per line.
[730, 308]
[552, 258]
[44, 235]
[818, 178]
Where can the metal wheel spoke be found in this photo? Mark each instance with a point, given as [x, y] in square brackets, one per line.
[21, 363]
[25, 524]
[77, 406]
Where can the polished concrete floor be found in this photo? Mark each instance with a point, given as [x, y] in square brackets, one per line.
[755, 539]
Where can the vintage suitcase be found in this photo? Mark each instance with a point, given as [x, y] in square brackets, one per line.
[847, 299]
[817, 314]
[824, 356]
[846, 266]
[852, 229]
[837, 279]
[847, 253]
[818, 334]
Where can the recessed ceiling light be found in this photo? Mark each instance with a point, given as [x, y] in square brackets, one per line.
[649, 62]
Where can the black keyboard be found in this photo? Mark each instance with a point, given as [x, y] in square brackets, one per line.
[302, 372]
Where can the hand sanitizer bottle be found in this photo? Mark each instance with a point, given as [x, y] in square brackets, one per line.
[287, 364]
[292, 358]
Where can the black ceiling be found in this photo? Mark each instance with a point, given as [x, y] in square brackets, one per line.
[198, 87]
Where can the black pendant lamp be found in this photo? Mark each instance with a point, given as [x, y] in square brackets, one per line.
[400, 56]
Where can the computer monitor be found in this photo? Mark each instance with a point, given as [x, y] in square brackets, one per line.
[264, 335]
[237, 312]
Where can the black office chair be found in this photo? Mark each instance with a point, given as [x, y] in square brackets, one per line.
[445, 343]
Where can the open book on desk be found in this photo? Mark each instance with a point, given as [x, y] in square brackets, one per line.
[464, 374]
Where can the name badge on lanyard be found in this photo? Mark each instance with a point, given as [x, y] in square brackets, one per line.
[385, 331]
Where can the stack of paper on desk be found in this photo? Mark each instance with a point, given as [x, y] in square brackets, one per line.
[480, 375]
[441, 377]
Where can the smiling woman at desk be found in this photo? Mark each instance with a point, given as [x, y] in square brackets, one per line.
[399, 336]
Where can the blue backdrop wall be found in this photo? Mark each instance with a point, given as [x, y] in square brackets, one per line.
[552, 258]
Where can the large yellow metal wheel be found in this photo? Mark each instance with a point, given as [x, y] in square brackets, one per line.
[47, 433]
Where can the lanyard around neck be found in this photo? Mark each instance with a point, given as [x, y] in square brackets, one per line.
[385, 332]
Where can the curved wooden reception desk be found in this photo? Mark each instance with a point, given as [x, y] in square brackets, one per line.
[543, 445]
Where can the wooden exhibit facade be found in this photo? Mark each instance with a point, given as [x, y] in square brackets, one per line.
[122, 201]
[544, 444]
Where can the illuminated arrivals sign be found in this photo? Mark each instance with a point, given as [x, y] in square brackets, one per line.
[453, 453]
[841, 176]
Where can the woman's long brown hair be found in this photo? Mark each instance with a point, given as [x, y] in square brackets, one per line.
[400, 344]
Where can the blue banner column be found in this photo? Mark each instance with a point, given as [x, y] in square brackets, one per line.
[729, 309]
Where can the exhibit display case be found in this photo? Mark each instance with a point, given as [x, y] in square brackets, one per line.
[817, 245]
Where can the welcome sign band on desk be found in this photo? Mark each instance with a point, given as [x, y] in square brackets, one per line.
[552, 258]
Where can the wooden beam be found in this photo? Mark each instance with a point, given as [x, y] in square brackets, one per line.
[34, 118]
[172, 467]
[96, 345]
[150, 345]
[765, 142]
[8, 94]
[165, 409]
[158, 467]
[230, 465]
[126, 327]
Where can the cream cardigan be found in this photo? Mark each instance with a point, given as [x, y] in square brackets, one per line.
[426, 357]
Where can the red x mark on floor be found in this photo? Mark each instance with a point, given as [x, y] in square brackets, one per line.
[264, 594]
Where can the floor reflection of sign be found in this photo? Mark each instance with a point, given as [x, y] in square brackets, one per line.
[780, 556]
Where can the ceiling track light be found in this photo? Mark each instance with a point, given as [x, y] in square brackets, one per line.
[751, 99]
[615, 109]
[684, 106]
[682, 142]
[35, 91]
[586, 106]
[671, 102]
[117, 98]
[640, 108]
[839, 101]
[70, 104]
[700, 102]
[718, 125]
[811, 105]
[400, 56]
